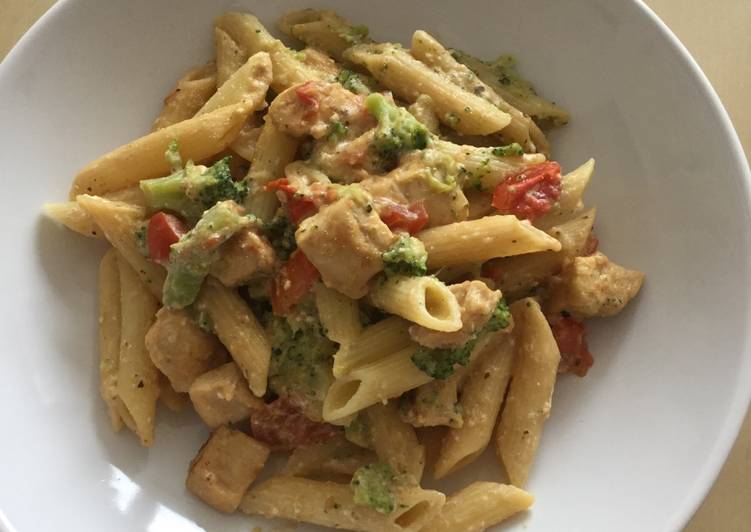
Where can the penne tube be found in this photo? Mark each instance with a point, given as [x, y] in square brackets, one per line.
[336, 457]
[191, 92]
[71, 215]
[570, 201]
[332, 504]
[239, 331]
[384, 379]
[479, 506]
[409, 78]
[531, 391]
[339, 315]
[481, 400]
[394, 441]
[229, 56]
[425, 301]
[109, 334]
[247, 85]
[137, 377]
[119, 222]
[199, 138]
[483, 239]
[324, 30]
[375, 342]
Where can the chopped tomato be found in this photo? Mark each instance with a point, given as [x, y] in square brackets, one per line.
[575, 356]
[410, 218]
[295, 279]
[492, 270]
[591, 245]
[299, 207]
[530, 193]
[307, 93]
[163, 231]
[283, 426]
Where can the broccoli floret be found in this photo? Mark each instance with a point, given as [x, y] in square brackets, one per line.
[510, 150]
[351, 81]
[500, 318]
[439, 363]
[355, 34]
[301, 361]
[397, 131]
[191, 257]
[337, 130]
[280, 232]
[406, 257]
[373, 486]
[189, 191]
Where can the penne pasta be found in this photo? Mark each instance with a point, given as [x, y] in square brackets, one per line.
[199, 139]
[425, 301]
[137, 377]
[239, 331]
[247, 85]
[408, 78]
[109, 334]
[229, 56]
[339, 315]
[324, 30]
[436, 403]
[483, 239]
[528, 401]
[394, 441]
[332, 504]
[388, 377]
[481, 400]
[375, 342]
[570, 201]
[120, 222]
[192, 91]
[334, 458]
[479, 506]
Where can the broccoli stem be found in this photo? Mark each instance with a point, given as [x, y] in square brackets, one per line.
[192, 256]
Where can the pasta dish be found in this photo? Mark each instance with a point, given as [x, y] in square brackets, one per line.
[355, 253]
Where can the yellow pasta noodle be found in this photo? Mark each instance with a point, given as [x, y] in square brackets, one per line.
[483, 239]
[528, 401]
[425, 301]
[339, 315]
[191, 92]
[229, 56]
[570, 200]
[199, 138]
[380, 339]
[248, 85]
[394, 441]
[109, 334]
[239, 330]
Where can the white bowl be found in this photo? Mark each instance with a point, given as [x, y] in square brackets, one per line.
[633, 446]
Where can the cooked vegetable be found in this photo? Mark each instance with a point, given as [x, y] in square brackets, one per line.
[373, 486]
[162, 231]
[406, 257]
[397, 131]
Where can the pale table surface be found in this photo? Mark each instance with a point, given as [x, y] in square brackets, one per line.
[717, 34]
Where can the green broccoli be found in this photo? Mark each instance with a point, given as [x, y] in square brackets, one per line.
[337, 130]
[355, 34]
[301, 361]
[406, 257]
[439, 363]
[191, 257]
[397, 131]
[191, 190]
[280, 232]
[373, 486]
[351, 81]
[510, 150]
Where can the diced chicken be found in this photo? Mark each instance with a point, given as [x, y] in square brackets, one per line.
[593, 286]
[282, 425]
[310, 108]
[222, 396]
[344, 241]
[181, 349]
[246, 256]
[225, 467]
[417, 180]
[477, 303]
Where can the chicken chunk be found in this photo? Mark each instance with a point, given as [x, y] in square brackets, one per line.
[224, 468]
[476, 302]
[180, 349]
[310, 108]
[344, 241]
[593, 286]
[423, 177]
[246, 256]
[222, 396]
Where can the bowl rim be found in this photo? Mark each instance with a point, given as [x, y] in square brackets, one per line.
[741, 396]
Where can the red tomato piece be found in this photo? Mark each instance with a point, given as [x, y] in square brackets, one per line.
[299, 207]
[410, 218]
[307, 93]
[163, 231]
[294, 280]
[570, 334]
[530, 193]
[283, 426]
